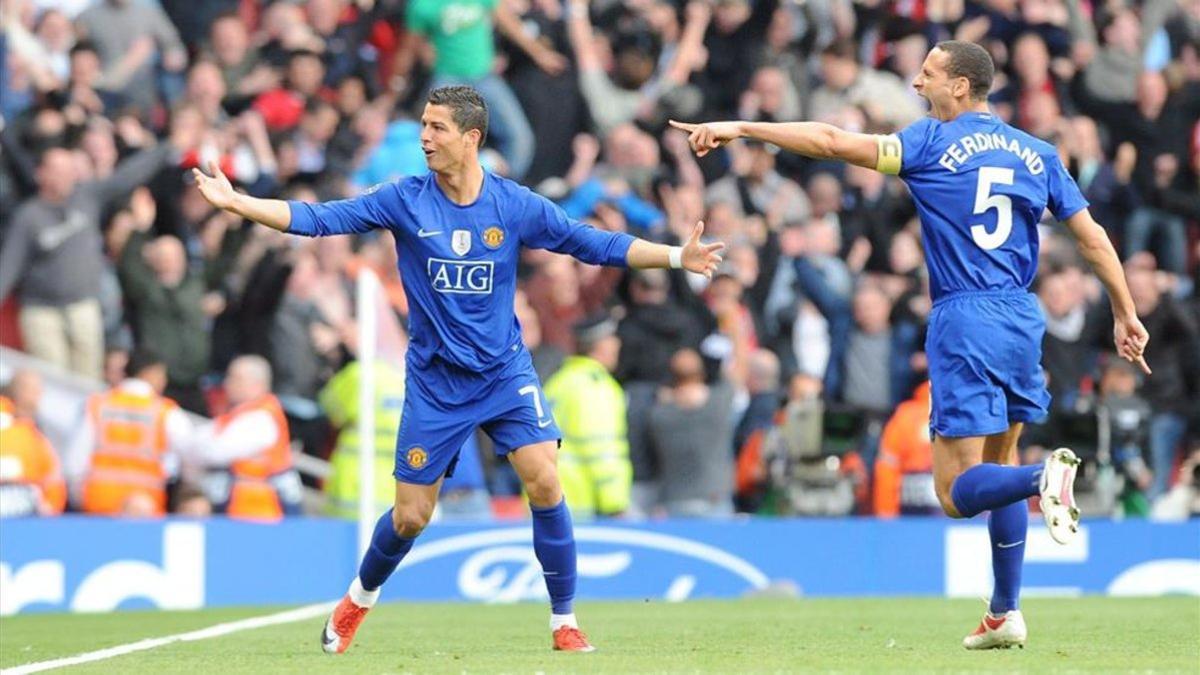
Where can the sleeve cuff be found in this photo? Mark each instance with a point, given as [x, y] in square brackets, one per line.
[620, 249]
[302, 223]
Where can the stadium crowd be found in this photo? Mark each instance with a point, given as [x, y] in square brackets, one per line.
[792, 383]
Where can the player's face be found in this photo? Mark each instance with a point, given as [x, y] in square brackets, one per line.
[446, 146]
[934, 83]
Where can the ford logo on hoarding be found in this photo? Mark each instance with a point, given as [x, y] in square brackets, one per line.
[500, 566]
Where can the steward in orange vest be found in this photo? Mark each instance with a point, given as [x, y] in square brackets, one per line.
[250, 448]
[129, 443]
[904, 468]
[31, 482]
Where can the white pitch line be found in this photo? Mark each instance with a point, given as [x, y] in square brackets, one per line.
[290, 616]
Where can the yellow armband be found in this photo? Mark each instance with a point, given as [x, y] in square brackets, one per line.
[889, 154]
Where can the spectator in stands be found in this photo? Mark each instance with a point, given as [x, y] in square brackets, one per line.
[1124, 418]
[305, 344]
[847, 83]
[691, 430]
[754, 187]
[169, 311]
[1108, 186]
[1075, 329]
[129, 444]
[191, 502]
[127, 36]
[904, 467]
[24, 392]
[464, 51]
[245, 73]
[1174, 356]
[631, 159]
[31, 482]
[551, 98]
[51, 253]
[283, 106]
[546, 358]
[739, 29]
[247, 450]
[764, 395]
[589, 406]
[636, 87]
[1112, 63]
[654, 327]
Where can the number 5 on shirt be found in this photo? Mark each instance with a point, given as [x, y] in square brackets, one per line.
[984, 200]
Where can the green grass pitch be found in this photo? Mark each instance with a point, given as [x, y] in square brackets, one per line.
[868, 635]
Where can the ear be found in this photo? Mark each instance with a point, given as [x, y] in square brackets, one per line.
[961, 87]
[477, 136]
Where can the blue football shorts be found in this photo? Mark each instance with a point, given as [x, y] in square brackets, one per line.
[443, 404]
[985, 362]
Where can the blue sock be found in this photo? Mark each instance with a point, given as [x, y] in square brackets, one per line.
[386, 551]
[1007, 526]
[985, 487]
[554, 544]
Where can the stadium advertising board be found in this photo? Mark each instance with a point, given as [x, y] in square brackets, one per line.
[88, 565]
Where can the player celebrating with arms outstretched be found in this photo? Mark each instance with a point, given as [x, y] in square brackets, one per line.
[459, 231]
[980, 188]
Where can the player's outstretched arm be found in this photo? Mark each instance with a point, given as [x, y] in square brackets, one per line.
[1129, 335]
[811, 139]
[693, 256]
[219, 192]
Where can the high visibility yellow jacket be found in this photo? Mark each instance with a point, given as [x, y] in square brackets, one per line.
[593, 463]
[339, 398]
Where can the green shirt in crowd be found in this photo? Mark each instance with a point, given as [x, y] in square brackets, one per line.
[461, 32]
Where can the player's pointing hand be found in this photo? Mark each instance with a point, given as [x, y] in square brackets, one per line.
[699, 257]
[216, 189]
[710, 135]
[1130, 338]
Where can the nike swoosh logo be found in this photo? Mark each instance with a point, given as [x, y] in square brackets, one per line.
[994, 624]
[52, 236]
[1015, 543]
[328, 637]
[543, 425]
[422, 233]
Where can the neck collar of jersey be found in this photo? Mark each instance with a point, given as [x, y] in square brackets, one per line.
[975, 115]
[482, 189]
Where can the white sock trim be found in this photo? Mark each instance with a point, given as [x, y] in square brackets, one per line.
[559, 620]
[361, 596]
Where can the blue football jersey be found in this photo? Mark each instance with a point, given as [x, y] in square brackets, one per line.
[459, 262]
[980, 187]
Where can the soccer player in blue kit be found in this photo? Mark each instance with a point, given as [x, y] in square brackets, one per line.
[980, 188]
[459, 230]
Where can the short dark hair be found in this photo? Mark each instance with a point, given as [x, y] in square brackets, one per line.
[141, 360]
[467, 108]
[969, 60]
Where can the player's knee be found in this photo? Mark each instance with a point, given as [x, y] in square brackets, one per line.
[408, 522]
[945, 498]
[544, 490]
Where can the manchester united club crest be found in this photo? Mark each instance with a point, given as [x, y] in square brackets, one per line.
[417, 457]
[493, 237]
[460, 241]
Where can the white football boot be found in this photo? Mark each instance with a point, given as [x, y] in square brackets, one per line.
[1058, 495]
[998, 632]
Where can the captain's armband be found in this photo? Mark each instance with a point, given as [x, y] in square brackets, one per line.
[890, 151]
